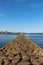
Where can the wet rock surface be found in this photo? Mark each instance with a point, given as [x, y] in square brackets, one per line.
[21, 51]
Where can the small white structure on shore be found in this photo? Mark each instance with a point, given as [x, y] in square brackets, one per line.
[6, 32]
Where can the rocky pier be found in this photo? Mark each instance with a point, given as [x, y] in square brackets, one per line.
[21, 51]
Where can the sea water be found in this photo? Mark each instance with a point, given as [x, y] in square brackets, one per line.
[6, 38]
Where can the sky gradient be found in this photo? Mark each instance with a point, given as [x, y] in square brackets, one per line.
[21, 15]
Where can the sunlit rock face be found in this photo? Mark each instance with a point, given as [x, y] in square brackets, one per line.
[21, 51]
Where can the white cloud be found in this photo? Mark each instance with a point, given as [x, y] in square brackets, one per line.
[36, 5]
[1, 14]
[6, 2]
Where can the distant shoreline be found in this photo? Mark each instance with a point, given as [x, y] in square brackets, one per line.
[9, 33]
[18, 33]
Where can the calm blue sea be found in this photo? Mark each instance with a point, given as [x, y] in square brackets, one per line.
[5, 38]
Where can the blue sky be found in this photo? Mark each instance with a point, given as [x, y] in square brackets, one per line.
[21, 15]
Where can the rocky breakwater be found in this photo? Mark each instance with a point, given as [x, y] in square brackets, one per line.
[21, 51]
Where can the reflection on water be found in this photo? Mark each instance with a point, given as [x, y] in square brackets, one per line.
[5, 38]
[38, 38]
